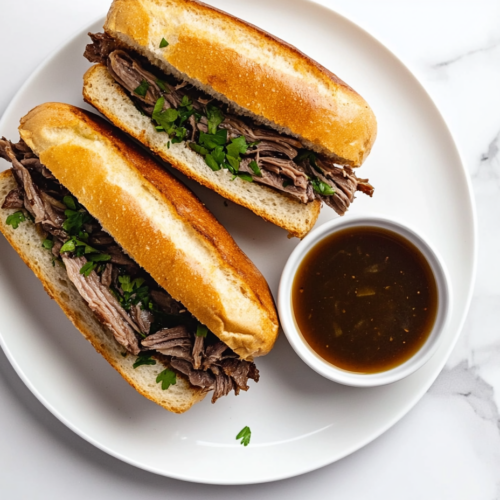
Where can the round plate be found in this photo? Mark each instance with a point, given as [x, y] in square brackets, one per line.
[299, 420]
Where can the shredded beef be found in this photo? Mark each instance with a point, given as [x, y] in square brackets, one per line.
[211, 366]
[275, 154]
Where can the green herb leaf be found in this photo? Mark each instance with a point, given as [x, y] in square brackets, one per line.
[185, 101]
[322, 188]
[245, 177]
[162, 85]
[168, 145]
[75, 221]
[144, 358]
[215, 118]
[219, 155]
[87, 268]
[70, 202]
[209, 160]
[245, 434]
[180, 133]
[234, 162]
[167, 378]
[211, 141]
[255, 167]
[142, 89]
[201, 330]
[125, 283]
[69, 246]
[306, 154]
[199, 149]
[163, 43]
[238, 146]
[15, 219]
[99, 257]
[158, 106]
[47, 243]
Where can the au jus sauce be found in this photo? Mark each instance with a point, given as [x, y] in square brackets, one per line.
[365, 299]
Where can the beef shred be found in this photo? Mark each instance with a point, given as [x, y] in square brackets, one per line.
[142, 317]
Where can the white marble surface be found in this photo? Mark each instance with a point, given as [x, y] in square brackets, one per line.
[448, 446]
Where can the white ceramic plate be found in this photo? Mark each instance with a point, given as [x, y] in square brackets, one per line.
[299, 420]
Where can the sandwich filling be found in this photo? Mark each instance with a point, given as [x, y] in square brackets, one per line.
[250, 151]
[142, 316]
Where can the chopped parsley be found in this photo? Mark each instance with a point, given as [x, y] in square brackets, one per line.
[142, 89]
[89, 266]
[210, 161]
[15, 219]
[144, 358]
[211, 141]
[215, 118]
[70, 202]
[322, 187]
[201, 330]
[167, 378]
[245, 177]
[245, 434]
[163, 43]
[48, 243]
[134, 291]
[73, 244]
[255, 168]
[162, 85]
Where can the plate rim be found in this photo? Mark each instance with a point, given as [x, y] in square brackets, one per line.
[417, 395]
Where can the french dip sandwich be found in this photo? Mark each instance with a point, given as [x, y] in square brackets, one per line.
[134, 259]
[233, 107]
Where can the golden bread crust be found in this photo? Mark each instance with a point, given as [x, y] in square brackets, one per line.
[89, 157]
[295, 226]
[255, 70]
[27, 243]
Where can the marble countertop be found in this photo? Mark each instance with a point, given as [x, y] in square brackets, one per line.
[448, 446]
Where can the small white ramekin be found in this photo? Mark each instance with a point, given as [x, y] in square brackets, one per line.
[309, 356]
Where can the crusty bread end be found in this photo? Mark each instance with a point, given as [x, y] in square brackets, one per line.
[27, 242]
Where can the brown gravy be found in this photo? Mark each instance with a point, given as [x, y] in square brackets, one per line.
[365, 299]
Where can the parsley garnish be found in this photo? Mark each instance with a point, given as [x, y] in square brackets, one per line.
[144, 358]
[309, 155]
[322, 188]
[48, 243]
[245, 177]
[74, 243]
[15, 219]
[167, 378]
[142, 89]
[245, 434]
[199, 149]
[163, 43]
[162, 85]
[215, 118]
[210, 161]
[211, 141]
[75, 221]
[255, 167]
[201, 330]
[89, 266]
[70, 202]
